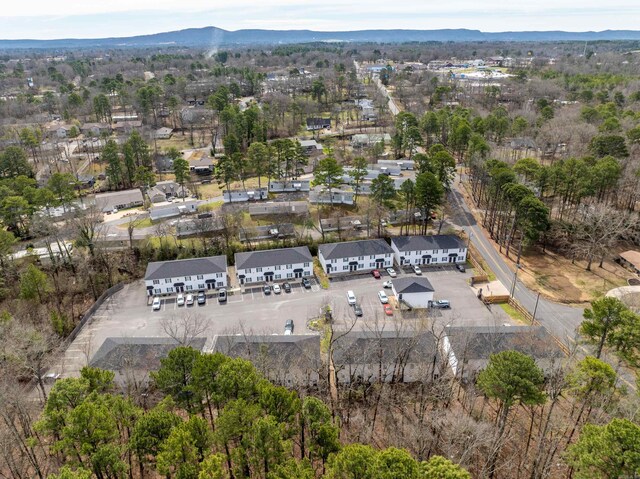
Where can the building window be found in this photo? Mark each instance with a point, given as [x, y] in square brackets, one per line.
[289, 266]
[360, 258]
[289, 275]
[278, 276]
[371, 257]
[200, 276]
[218, 275]
[156, 281]
[258, 270]
[187, 278]
[260, 278]
[167, 280]
[345, 267]
[278, 268]
[169, 290]
[306, 265]
[188, 287]
[307, 273]
[157, 291]
[372, 265]
[201, 286]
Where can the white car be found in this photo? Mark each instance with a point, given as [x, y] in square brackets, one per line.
[384, 299]
[387, 284]
[180, 299]
[189, 300]
[351, 297]
[392, 272]
[276, 289]
[416, 269]
[156, 303]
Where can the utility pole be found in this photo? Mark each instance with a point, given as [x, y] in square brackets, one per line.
[515, 280]
[535, 309]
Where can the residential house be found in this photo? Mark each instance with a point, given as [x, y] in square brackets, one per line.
[424, 250]
[119, 200]
[239, 196]
[320, 195]
[172, 210]
[288, 360]
[132, 359]
[414, 291]
[165, 190]
[314, 124]
[387, 356]
[467, 349]
[279, 208]
[186, 275]
[631, 260]
[402, 163]
[365, 140]
[355, 256]
[95, 129]
[164, 133]
[291, 186]
[310, 147]
[126, 126]
[201, 166]
[59, 131]
[273, 265]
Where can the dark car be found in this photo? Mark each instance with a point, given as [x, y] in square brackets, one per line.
[288, 327]
[460, 267]
[222, 295]
[306, 283]
[266, 289]
[357, 309]
[202, 298]
[286, 287]
[441, 304]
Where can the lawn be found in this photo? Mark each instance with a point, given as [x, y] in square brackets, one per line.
[514, 313]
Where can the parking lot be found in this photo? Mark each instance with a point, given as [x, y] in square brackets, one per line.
[129, 313]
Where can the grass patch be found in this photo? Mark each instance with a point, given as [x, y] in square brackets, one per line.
[214, 205]
[144, 223]
[514, 313]
[320, 274]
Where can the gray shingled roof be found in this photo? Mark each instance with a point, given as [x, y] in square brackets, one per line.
[272, 257]
[116, 354]
[480, 342]
[186, 267]
[350, 249]
[422, 243]
[409, 284]
[371, 347]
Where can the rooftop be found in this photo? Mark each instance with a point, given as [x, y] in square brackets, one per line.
[186, 267]
[117, 354]
[271, 257]
[423, 243]
[410, 284]
[632, 257]
[350, 249]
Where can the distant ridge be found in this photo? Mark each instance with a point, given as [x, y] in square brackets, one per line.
[213, 36]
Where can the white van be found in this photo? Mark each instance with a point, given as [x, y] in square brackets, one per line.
[351, 298]
[384, 299]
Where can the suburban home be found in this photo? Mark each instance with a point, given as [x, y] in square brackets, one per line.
[413, 291]
[96, 129]
[310, 147]
[355, 256]
[403, 164]
[239, 196]
[126, 126]
[291, 186]
[164, 133]
[424, 250]
[467, 349]
[172, 210]
[119, 200]
[287, 360]
[314, 124]
[59, 131]
[273, 265]
[186, 275]
[320, 195]
[164, 190]
[132, 359]
[387, 356]
[201, 166]
[279, 208]
[365, 140]
[631, 260]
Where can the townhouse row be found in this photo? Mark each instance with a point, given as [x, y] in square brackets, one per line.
[254, 267]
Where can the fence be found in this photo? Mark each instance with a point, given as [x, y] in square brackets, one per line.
[515, 304]
[86, 317]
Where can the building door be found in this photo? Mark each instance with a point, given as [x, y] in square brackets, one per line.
[241, 278]
[297, 273]
[453, 257]
[426, 259]
[268, 276]
[179, 287]
[353, 266]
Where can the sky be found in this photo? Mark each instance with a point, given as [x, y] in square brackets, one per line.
[47, 19]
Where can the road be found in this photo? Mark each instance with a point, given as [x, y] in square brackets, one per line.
[559, 319]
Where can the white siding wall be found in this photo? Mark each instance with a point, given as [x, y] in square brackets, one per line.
[365, 263]
[191, 283]
[440, 256]
[418, 300]
[280, 272]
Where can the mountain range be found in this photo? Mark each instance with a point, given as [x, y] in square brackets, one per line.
[209, 37]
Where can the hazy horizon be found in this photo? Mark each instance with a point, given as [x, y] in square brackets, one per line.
[40, 19]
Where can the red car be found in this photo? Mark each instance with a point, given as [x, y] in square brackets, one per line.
[388, 310]
[376, 274]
